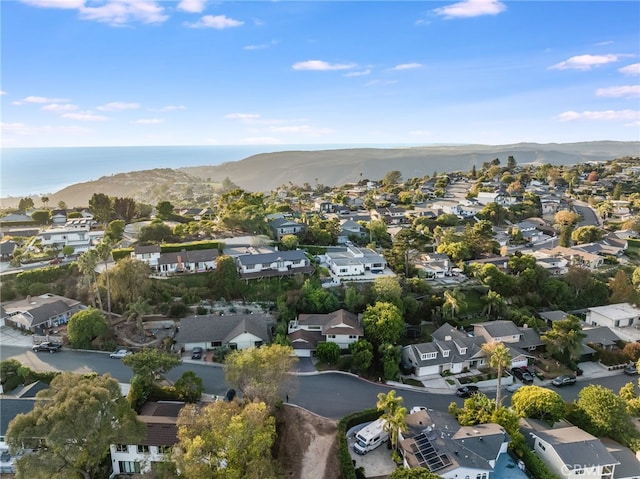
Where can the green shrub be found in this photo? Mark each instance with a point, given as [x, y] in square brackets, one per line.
[347, 470]
[120, 253]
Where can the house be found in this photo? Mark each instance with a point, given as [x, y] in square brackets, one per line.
[159, 419]
[283, 226]
[519, 340]
[149, 254]
[571, 452]
[308, 330]
[79, 239]
[39, 313]
[10, 407]
[7, 248]
[193, 261]
[276, 263]
[575, 256]
[353, 261]
[235, 331]
[622, 318]
[435, 265]
[599, 336]
[551, 317]
[435, 441]
[450, 350]
[349, 229]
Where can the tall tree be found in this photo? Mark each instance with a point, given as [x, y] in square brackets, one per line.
[606, 412]
[87, 264]
[493, 303]
[260, 373]
[622, 289]
[125, 208]
[115, 230]
[164, 209]
[45, 201]
[101, 207]
[41, 217]
[85, 326]
[225, 279]
[104, 249]
[25, 204]
[394, 415]
[564, 339]
[71, 427]
[225, 440]
[499, 359]
[129, 282]
[383, 323]
[453, 302]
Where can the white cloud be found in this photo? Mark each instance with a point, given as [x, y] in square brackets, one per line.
[319, 65]
[381, 82]
[359, 73]
[262, 46]
[634, 124]
[22, 129]
[118, 106]
[261, 140]
[471, 8]
[39, 100]
[2, 92]
[619, 91]
[192, 6]
[219, 22]
[242, 116]
[121, 12]
[59, 107]
[84, 116]
[148, 121]
[585, 62]
[633, 69]
[407, 66]
[605, 115]
[69, 4]
[168, 108]
[606, 42]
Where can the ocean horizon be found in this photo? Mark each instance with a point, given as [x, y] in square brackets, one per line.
[44, 171]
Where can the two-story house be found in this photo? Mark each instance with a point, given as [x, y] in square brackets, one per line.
[283, 226]
[519, 340]
[308, 330]
[353, 261]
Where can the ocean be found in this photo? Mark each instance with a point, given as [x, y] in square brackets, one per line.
[42, 171]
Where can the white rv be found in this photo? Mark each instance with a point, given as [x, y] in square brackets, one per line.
[370, 437]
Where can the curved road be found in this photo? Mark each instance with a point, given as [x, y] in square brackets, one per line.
[332, 395]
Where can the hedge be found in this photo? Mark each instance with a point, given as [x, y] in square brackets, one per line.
[197, 245]
[43, 275]
[347, 470]
[121, 253]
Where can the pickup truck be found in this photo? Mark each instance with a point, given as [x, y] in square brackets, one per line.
[46, 347]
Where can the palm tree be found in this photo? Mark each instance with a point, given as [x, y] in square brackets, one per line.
[492, 303]
[137, 310]
[104, 249]
[394, 415]
[87, 263]
[500, 359]
[453, 301]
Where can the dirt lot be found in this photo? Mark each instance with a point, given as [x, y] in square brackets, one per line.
[307, 444]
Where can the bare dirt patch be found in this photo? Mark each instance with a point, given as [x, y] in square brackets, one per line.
[307, 444]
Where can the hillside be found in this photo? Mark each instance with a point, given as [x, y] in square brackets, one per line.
[265, 172]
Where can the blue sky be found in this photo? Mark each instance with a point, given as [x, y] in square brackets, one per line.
[142, 72]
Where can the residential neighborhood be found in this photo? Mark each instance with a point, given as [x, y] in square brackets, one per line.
[475, 284]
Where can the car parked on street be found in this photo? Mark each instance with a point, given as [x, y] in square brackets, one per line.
[120, 353]
[46, 347]
[513, 387]
[467, 391]
[631, 370]
[564, 380]
[196, 353]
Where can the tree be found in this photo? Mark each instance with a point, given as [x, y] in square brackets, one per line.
[189, 387]
[564, 339]
[260, 373]
[85, 326]
[383, 323]
[136, 310]
[328, 352]
[622, 289]
[115, 230]
[68, 250]
[453, 302]
[87, 263]
[101, 207]
[605, 412]
[125, 208]
[289, 242]
[493, 302]
[500, 359]
[538, 403]
[387, 289]
[390, 355]
[587, 234]
[71, 427]
[45, 201]
[41, 217]
[103, 250]
[151, 364]
[511, 163]
[224, 440]
[25, 204]
[478, 409]
[392, 178]
[362, 354]
[129, 283]
[164, 210]
[155, 232]
[394, 415]
[62, 205]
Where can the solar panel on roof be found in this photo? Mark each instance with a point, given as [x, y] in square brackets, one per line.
[427, 455]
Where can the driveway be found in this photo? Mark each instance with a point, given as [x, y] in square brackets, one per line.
[12, 337]
[305, 365]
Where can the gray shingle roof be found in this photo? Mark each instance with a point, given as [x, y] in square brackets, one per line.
[211, 328]
[251, 259]
[575, 446]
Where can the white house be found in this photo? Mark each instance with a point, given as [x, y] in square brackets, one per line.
[277, 263]
[79, 239]
[308, 330]
[193, 261]
[161, 435]
[149, 254]
[354, 261]
[622, 318]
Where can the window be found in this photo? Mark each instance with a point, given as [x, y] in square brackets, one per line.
[541, 446]
[425, 356]
[122, 448]
[216, 344]
[445, 353]
[129, 466]
[463, 350]
[353, 336]
[143, 449]
[331, 336]
[164, 449]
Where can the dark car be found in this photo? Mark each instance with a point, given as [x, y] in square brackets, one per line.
[523, 374]
[46, 347]
[517, 372]
[564, 380]
[196, 353]
[466, 391]
[631, 370]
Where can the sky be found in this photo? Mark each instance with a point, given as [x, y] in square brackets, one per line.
[197, 72]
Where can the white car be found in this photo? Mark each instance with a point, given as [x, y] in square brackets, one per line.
[514, 387]
[120, 353]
